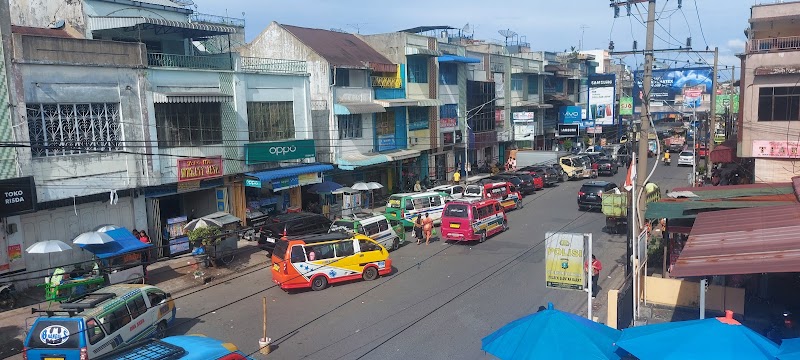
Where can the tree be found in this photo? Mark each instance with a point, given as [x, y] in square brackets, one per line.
[206, 235]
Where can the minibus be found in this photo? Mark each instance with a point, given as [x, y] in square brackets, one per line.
[473, 219]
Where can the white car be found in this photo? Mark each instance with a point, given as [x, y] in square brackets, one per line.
[686, 158]
[454, 191]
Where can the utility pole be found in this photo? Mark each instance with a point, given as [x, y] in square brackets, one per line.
[644, 130]
[712, 121]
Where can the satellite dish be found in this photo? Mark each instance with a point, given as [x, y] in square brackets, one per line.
[58, 24]
[507, 34]
[466, 29]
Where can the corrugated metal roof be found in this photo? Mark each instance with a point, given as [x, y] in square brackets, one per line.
[734, 187]
[742, 241]
[339, 49]
[690, 209]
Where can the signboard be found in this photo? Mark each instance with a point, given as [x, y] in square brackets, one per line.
[569, 115]
[448, 138]
[776, 70]
[727, 102]
[524, 129]
[499, 117]
[564, 262]
[199, 168]
[524, 115]
[668, 93]
[285, 183]
[19, 196]
[602, 97]
[594, 129]
[308, 179]
[386, 142]
[776, 149]
[626, 105]
[254, 183]
[448, 117]
[275, 151]
[568, 130]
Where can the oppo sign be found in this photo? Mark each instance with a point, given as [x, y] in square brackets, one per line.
[256, 153]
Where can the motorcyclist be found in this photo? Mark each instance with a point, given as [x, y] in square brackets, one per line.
[666, 157]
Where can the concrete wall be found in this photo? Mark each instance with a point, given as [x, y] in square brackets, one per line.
[776, 170]
[42, 13]
[449, 93]
[391, 45]
[417, 91]
[46, 50]
[683, 293]
[362, 145]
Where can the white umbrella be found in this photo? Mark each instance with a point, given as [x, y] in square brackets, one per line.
[201, 223]
[344, 190]
[106, 228]
[374, 186]
[368, 186]
[361, 186]
[92, 238]
[48, 247]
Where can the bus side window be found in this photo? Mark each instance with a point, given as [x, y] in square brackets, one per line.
[344, 248]
[436, 201]
[156, 297]
[475, 213]
[366, 245]
[497, 207]
[298, 255]
[383, 225]
[137, 306]
[94, 331]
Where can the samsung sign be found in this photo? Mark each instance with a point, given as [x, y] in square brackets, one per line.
[569, 115]
[567, 130]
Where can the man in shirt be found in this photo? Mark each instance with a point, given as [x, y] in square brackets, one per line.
[596, 267]
[456, 177]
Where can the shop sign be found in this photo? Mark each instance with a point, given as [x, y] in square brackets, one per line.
[285, 183]
[276, 151]
[499, 117]
[564, 261]
[459, 137]
[570, 114]
[386, 142]
[523, 115]
[568, 130]
[776, 149]
[447, 123]
[626, 105]
[19, 196]
[448, 139]
[255, 183]
[199, 168]
[308, 179]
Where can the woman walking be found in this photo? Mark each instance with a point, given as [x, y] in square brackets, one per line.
[418, 228]
[427, 227]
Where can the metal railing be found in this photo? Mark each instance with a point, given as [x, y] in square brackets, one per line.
[189, 61]
[216, 19]
[774, 44]
[272, 66]
[386, 82]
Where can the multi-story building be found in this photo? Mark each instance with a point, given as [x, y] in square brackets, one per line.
[770, 95]
[138, 123]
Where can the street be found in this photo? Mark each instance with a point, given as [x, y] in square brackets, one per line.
[437, 304]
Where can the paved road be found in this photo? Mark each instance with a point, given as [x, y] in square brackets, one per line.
[439, 302]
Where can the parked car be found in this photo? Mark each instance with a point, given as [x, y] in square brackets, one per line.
[527, 177]
[548, 175]
[182, 347]
[686, 158]
[607, 167]
[702, 152]
[562, 175]
[591, 194]
[293, 224]
[524, 187]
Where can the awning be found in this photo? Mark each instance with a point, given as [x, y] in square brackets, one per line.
[430, 102]
[188, 29]
[124, 242]
[402, 154]
[191, 97]
[354, 160]
[742, 241]
[458, 59]
[357, 108]
[410, 50]
[273, 174]
[691, 209]
[724, 153]
[223, 217]
[397, 102]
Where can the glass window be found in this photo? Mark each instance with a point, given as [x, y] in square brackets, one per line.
[136, 306]
[269, 121]
[533, 84]
[366, 245]
[188, 124]
[448, 74]
[320, 252]
[456, 211]
[384, 123]
[422, 203]
[417, 69]
[344, 248]
[342, 77]
[156, 297]
[371, 229]
[516, 83]
[436, 201]
[779, 103]
[95, 331]
[298, 255]
[417, 118]
[68, 129]
[394, 202]
[350, 126]
[115, 319]
[497, 208]
[383, 225]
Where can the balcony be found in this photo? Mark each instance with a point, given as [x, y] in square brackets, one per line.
[215, 62]
[216, 19]
[271, 66]
[787, 43]
[385, 82]
[222, 62]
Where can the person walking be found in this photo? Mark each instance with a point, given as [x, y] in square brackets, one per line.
[596, 267]
[456, 177]
[427, 228]
[418, 228]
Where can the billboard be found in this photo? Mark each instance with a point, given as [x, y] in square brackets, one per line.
[601, 98]
[727, 102]
[569, 115]
[564, 261]
[675, 90]
[626, 105]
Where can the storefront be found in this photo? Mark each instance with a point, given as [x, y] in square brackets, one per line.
[277, 191]
[483, 148]
[18, 197]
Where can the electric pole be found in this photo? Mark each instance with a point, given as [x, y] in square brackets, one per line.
[712, 121]
[644, 129]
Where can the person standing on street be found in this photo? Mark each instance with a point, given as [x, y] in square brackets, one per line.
[456, 177]
[596, 267]
[418, 228]
[417, 186]
[427, 228]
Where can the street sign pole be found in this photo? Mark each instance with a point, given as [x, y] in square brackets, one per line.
[587, 238]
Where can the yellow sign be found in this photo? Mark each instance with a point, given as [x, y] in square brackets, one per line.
[564, 261]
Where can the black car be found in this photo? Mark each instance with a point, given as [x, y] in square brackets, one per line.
[549, 175]
[527, 178]
[525, 187]
[607, 167]
[591, 194]
[562, 175]
[294, 224]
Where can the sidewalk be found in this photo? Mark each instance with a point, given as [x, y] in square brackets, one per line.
[175, 276]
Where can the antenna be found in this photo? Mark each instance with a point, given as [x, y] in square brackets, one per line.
[466, 30]
[356, 26]
[507, 34]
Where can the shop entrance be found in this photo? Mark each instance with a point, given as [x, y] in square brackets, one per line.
[167, 214]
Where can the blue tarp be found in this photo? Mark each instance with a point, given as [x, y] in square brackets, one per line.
[272, 174]
[124, 242]
[460, 59]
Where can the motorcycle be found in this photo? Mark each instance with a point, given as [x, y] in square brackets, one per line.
[7, 298]
[667, 161]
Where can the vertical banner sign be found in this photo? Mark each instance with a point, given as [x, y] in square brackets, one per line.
[626, 105]
[602, 98]
[564, 261]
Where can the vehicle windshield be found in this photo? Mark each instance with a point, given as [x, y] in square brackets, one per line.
[394, 202]
[525, 177]
[473, 191]
[498, 192]
[687, 153]
[455, 210]
[514, 180]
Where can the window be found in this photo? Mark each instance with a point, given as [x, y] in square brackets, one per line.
[371, 229]
[417, 118]
[136, 306]
[350, 126]
[156, 297]
[422, 203]
[188, 124]
[384, 124]
[448, 74]
[270, 121]
[383, 225]
[116, 319]
[342, 77]
[516, 83]
[366, 245]
[497, 208]
[95, 331]
[483, 212]
[779, 104]
[298, 255]
[68, 129]
[344, 248]
[456, 211]
[320, 252]
[436, 201]
[417, 69]
[571, 88]
[480, 96]
[533, 84]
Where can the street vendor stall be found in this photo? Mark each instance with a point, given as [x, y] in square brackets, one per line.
[120, 261]
[224, 250]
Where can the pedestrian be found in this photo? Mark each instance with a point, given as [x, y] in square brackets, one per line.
[418, 228]
[143, 237]
[596, 267]
[417, 186]
[456, 177]
[427, 228]
[135, 233]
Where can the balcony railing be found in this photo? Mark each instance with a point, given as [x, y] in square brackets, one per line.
[386, 82]
[774, 44]
[271, 66]
[216, 19]
[189, 61]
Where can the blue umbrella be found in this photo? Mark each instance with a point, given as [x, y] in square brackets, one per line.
[714, 338]
[552, 334]
[324, 187]
[789, 350]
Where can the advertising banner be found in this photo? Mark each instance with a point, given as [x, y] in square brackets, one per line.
[569, 115]
[776, 149]
[675, 90]
[626, 105]
[568, 130]
[275, 151]
[727, 102]
[524, 115]
[199, 168]
[602, 97]
[564, 261]
[524, 129]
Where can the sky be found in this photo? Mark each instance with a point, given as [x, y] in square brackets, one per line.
[546, 25]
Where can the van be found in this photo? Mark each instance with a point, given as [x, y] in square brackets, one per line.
[473, 219]
[387, 232]
[502, 191]
[573, 166]
[405, 207]
[99, 322]
[453, 191]
[314, 261]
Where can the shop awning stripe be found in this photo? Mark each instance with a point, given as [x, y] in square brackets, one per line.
[272, 174]
[352, 161]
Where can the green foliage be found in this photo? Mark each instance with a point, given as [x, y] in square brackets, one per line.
[568, 144]
[206, 235]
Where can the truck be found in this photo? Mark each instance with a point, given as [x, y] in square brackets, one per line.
[615, 208]
[531, 157]
[675, 143]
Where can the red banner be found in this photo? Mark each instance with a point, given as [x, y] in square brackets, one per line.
[199, 168]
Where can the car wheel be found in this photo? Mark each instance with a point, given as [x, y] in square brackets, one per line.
[161, 330]
[564, 178]
[370, 273]
[395, 244]
[319, 283]
[483, 237]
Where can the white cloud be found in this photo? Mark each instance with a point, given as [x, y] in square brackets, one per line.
[736, 45]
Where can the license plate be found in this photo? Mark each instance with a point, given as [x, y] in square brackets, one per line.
[381, 264]
[275, 267]
[455, 226]
[272, 240]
